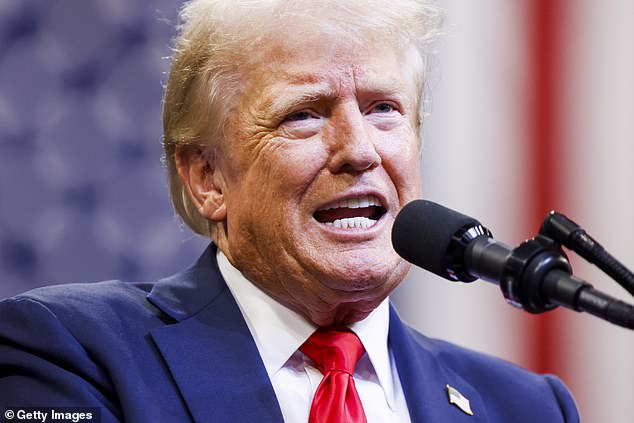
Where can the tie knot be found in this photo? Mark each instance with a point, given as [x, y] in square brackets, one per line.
[333, 349]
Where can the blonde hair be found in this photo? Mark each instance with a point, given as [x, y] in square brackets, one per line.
[215, 37]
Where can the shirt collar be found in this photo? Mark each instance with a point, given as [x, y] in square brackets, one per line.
[278, 331]
[373, 333]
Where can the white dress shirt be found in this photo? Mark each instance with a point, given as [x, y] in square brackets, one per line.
[278, 333]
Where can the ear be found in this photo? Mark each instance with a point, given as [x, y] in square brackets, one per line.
[203, 181]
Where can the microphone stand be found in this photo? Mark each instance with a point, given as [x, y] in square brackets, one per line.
[566, 232]
[537, 278]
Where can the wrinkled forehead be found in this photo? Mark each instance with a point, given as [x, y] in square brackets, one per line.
[325, 70]
[301, 56]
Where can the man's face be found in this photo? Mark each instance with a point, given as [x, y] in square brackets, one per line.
[321, 153]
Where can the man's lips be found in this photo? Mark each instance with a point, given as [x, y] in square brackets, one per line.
[353, 212]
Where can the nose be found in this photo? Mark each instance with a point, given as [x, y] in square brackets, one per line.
[352, 148]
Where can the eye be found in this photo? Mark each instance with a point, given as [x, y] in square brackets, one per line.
[301, 124]
[299, 116]
[383, 108]
[385, 115]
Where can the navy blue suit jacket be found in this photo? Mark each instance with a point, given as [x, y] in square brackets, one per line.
[179, 350]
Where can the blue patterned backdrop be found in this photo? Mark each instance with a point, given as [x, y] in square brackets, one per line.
[83, 194]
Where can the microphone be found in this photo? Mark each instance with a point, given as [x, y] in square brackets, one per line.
[535, 276]
[447, 243]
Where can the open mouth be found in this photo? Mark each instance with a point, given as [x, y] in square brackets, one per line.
[357, 212]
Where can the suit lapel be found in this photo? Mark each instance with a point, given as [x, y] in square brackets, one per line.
[425, 379]
[209, 350]
[216, 365]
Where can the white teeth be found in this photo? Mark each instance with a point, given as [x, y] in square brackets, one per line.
[353, 222]
[355, 203]
[364, 202]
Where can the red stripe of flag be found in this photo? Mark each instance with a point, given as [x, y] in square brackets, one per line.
[544, 182]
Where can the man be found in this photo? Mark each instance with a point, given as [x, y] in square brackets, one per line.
[292, 141]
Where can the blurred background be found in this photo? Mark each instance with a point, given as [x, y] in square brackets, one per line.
[532, 109]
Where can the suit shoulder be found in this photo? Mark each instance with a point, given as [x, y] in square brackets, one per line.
[502, 390]
[89, 297]
[494, 377]
[462, 358]
[90, 307]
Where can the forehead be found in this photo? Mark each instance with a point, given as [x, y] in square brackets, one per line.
[324, 66]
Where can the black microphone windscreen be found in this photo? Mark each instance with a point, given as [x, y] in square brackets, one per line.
[422, 232]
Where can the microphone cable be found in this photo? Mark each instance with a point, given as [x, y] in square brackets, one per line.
[569, 234]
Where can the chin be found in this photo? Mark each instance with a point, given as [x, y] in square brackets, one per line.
[368, 276]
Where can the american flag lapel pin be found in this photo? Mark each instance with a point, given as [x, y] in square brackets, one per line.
[457, 399]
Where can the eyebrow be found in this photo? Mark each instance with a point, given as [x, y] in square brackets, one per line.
[294, 96]
[305, 93]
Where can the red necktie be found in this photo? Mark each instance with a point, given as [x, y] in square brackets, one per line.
[335, 353]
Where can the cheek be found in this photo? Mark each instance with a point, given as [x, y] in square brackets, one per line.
[402, 160]
[292, 167]
[272, 188]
